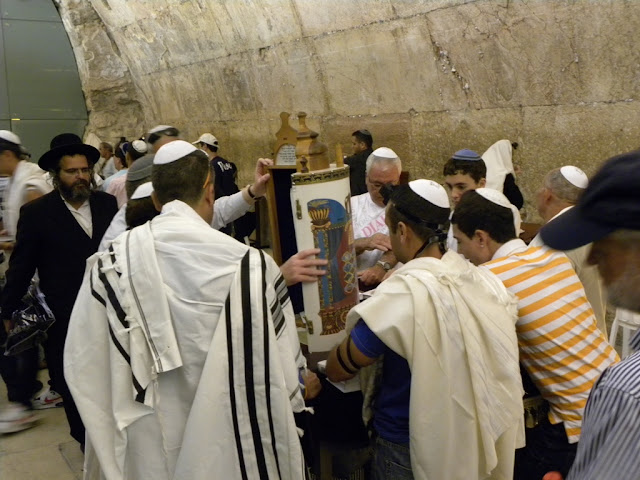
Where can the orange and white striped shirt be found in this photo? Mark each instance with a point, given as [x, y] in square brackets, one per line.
[560, 345]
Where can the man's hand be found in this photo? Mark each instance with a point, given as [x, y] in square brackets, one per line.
[261, 177]
[302, 268]
[378, 241]
[552, 476]
[312, 385]
[8, 325]
[261, 167]
[372, 275]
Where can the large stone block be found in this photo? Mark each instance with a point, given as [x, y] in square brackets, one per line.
[427, 78]
[382, 68]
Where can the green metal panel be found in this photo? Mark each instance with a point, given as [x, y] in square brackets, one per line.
[37, 134]
[4, 96]
[42, 10]
[42, 75]
[5, 125]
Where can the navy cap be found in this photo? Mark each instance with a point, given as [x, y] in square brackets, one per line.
[610, 202]
[468, 155]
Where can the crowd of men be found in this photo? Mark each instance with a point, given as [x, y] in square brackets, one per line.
[175, 352]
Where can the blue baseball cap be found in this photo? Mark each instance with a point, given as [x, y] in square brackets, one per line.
[610, 202]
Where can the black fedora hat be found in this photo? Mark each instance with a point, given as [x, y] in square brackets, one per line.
[67, 144]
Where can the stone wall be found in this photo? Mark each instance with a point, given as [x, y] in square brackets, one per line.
[562, 78]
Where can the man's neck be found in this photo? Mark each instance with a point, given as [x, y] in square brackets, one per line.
[432, 251]
[76, 204]
[500, 250]
[13, 168]
[554, 210]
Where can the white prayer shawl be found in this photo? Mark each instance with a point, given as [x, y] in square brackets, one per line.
[182, 357]
[27, 176]
[498, 159]
[455, 325]
[226, 210]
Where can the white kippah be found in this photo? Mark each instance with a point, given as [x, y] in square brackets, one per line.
[139, 146]
[172, 151]
[384, 152]
[499, 199]
[9, 136]
[160, 128]
[575, 176]
[143, 191]
[431, 191]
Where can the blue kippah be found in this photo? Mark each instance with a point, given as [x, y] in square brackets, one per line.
[468, 155]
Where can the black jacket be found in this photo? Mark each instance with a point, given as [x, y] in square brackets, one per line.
[50, 240]
[357, 166]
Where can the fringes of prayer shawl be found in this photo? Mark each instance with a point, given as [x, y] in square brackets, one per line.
[127, 341]
[130, 288]
[256, 372]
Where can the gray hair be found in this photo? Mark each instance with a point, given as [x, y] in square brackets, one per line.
[561, 187]
[389, 161]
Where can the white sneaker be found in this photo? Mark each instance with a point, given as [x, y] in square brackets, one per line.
[47, 399]
[16, 417]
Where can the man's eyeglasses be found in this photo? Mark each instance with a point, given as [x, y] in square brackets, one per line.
[76, 171]
[168, 132]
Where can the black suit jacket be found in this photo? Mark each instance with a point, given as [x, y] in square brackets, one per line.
[50, 240]
[357, 171]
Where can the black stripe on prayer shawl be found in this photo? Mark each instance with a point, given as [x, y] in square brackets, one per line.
[232, 391]
[278, 283]
[111, 295]
[112, 253]
[248, 365]
[143, 318]
[267, 381]
[125, 355]
[277, 317]
[95, 294]
[295, 391]
[282, 292]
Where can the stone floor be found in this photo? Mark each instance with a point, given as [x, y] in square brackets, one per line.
[45, 451]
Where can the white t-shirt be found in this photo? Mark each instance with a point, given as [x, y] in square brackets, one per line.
[368, 219]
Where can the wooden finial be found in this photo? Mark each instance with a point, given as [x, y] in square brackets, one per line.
[303, 163]
[339, 157]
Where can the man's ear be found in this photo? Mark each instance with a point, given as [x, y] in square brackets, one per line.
[482, 237]
[547, 195]
[482, 183]
[401, 231]
[156, 201]
[209, 194]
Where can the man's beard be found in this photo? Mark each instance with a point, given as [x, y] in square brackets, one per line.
[623, 292]
[79, 191]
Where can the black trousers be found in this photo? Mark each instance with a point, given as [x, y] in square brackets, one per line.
[19, 372]
[547, 449]
[54, 353]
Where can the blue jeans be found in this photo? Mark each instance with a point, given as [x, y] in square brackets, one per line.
[547, 449]
[391, 461]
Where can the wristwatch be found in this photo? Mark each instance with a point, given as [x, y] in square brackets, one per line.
[385, 265]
